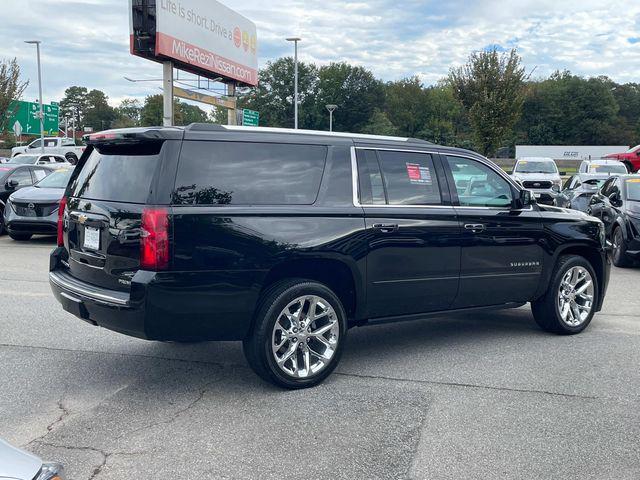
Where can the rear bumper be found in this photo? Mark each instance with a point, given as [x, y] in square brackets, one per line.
[165, 306]
[107, 308]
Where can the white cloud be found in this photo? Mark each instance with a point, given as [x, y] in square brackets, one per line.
[86, 42]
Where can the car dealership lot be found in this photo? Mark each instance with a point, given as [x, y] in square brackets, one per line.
[483, 395]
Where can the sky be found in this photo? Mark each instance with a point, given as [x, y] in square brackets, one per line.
[87, 42]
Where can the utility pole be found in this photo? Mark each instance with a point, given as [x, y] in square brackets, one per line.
[295, 41]
[41, 113]
[167, 94]
[232, 116]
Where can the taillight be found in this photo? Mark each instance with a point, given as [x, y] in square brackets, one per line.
[154, 239]
[61, 209]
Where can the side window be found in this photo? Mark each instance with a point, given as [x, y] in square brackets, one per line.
[409, 178]
[39, 174]
[23, 176]
[477, 185]
[235, 173]
[370, 179]
[50, 143]
[60, 159]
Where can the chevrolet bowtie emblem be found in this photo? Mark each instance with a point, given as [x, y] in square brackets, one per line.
[82, 219]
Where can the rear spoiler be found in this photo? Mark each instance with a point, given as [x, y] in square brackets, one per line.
[134, 135]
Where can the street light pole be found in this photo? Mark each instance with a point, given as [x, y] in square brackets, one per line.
[295, 41]
[41, 114]
[331, 108]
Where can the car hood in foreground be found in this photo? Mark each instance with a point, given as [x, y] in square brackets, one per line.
[37, 195]
[16, 463]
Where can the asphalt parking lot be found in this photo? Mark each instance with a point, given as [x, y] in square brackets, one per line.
[479, 396]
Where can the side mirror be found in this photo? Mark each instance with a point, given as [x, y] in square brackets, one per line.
[563, 174]
[614, 198]
[12, 184]
[524, 200]
[42, 162]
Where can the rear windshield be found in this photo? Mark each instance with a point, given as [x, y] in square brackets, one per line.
[608, 168]
[233, 173]
[117, 175]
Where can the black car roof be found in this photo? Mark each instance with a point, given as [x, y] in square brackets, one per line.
[211, 131]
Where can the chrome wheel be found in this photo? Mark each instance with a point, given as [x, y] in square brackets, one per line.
[575, 296]
[305, 336]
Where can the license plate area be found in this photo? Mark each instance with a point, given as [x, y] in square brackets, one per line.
[91, 238]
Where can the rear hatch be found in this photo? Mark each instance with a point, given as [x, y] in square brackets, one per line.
[105, 202]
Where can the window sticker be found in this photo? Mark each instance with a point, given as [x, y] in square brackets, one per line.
[419, 174]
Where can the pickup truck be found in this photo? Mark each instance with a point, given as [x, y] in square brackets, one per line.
[631, 158]
[53, 146]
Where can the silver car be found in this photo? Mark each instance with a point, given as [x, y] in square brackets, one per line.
[34, 210]
[611, 167]
[16, 464]
[47, 159]
[541, 176]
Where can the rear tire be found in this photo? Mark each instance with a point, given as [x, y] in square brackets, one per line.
[568, 305]
[290, 345]
[71, 158]
[20, 237]
[619, 256]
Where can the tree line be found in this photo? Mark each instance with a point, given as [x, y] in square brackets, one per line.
[489, 104]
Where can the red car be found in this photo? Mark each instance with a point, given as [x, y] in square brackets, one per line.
[630, 158]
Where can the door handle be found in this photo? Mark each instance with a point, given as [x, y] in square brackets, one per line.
[475, 227]
[386, 227]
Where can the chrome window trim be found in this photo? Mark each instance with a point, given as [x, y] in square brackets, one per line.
[355, 183]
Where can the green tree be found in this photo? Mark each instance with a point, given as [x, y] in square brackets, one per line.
[491, 88]
[192, 114]
[356, 92]
[74, 104]
[11, 89]
[379, 124]
[406, 105]
[273, 97]
[151, 114]
[98, 114]
[128, 113]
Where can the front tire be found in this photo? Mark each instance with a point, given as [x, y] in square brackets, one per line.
[20, 237]
[569, 303]
[298, 336]
[619, 257]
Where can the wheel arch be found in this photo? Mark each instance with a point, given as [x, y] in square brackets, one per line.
[336, 274]
[593, 256]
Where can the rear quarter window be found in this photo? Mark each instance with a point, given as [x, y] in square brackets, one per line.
[234, 173]
[117, 174]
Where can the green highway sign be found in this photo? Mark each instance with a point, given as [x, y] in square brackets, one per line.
[250, 118]
[27, 115]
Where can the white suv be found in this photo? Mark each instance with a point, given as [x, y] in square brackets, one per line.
[540, 175]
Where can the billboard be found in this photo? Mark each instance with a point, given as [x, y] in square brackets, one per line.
[201, 36]
[568, 152]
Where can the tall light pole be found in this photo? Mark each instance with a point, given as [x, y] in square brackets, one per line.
[41, 114]
[295, 41]
[331, 108]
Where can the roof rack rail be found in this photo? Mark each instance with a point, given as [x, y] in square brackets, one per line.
[419, 140]
[205, 127]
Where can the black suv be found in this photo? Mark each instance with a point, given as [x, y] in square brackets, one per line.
[286, 239]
